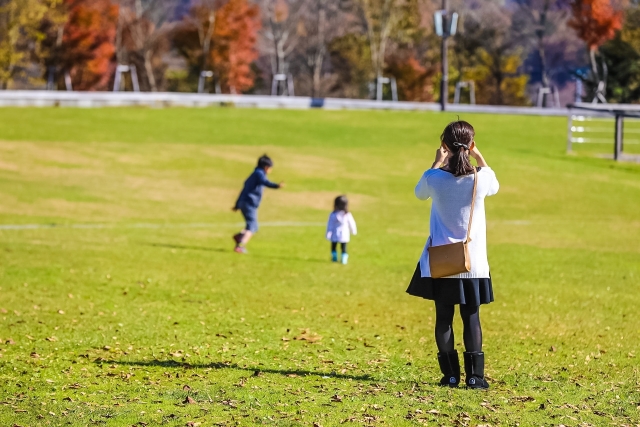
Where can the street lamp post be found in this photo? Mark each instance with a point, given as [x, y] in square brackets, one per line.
[444, 83]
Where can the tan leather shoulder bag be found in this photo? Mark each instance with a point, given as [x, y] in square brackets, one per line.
[447, 260]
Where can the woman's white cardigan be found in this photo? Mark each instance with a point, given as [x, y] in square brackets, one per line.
[450, 215]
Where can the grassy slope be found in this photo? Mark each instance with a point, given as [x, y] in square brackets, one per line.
[147, 311]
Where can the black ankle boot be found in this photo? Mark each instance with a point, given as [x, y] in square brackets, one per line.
[474, 368]
[450, 367]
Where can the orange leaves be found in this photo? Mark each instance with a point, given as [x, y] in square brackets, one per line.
[234, 44]
[83, 45]
[595, 21]
[221, 38]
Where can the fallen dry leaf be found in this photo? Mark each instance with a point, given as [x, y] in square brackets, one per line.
[189, 400]
[308, 336]
[524, 399]
[336, 398]
[186, 387]
[231, 403]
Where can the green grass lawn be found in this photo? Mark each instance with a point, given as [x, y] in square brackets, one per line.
[133, 309]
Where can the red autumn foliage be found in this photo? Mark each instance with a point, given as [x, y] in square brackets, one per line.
[232, 41]
[86, 48]
[415, 82]
[595, 21]
[234, 50]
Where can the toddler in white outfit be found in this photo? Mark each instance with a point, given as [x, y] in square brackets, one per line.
[340, 227]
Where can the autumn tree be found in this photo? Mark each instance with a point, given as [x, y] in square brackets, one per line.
[20, 36]
[489, 52]
[193, 36]
[234, 44]
[541, 25]
[414, 80]
[622, 56]
[143, 38]
[82, 44]
[281, 31]
[595, 22]
[220, 36]
[382, 20]
[350, 62]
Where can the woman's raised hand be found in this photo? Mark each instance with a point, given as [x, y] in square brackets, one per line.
[441, 154]
[441, 157]
[476, 154]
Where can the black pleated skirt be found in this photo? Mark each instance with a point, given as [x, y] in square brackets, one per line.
[451, 291]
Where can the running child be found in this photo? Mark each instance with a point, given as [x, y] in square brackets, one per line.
[249, 201]
[340, 227]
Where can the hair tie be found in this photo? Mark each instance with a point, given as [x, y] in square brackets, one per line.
[459, 144]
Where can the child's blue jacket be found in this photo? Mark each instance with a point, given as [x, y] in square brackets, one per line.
[251, 194]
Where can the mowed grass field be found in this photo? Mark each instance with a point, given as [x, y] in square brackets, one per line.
[133, 309]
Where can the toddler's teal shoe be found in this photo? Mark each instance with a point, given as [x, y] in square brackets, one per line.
[345, 258]
[334, 256]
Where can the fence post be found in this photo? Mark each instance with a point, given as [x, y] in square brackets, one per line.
[617, 148]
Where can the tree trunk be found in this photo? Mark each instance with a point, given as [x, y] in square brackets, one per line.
[149, 69]
[320, 53]
[206, 43]
[594, 64]
[119, 26]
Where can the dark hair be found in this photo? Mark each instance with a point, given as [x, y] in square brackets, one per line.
[457, 137]
[341, 204]
[265, 162]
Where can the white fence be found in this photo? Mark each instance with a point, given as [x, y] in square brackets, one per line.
[172, 99]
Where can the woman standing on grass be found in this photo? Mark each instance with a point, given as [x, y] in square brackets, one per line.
[449, 183]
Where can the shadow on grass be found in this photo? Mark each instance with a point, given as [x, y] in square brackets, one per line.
[196, 248]
[220, 365]
[252, 254]
[285, 258]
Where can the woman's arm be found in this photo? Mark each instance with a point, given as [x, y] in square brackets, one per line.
[476, 154]
[441, 157]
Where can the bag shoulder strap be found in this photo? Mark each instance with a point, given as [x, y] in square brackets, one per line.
[473, 202]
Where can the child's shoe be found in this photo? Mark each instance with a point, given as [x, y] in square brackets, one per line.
[334, 256]
[345, 258]
[240, 250]
[237, 238]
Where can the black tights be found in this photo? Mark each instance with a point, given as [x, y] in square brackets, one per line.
[343, 247]
[444, 327]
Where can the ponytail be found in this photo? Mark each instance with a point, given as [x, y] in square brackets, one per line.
[457, 137]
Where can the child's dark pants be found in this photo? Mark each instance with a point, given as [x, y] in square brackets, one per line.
[343, 247]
